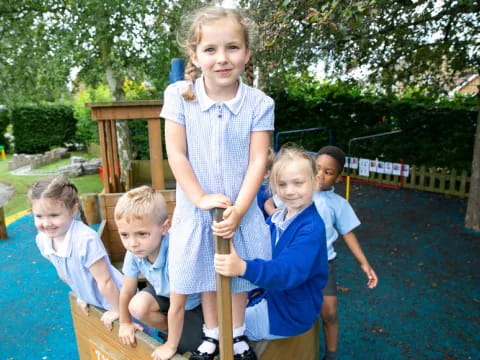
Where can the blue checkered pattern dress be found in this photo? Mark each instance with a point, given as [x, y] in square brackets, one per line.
[218, 142]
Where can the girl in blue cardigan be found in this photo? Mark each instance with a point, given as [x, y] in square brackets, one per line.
[291, 296]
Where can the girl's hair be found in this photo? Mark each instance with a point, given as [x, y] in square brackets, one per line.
[334, 152]
[59, 189]
[270, 158]
[288, 154]
[190, 36]
[141, 202]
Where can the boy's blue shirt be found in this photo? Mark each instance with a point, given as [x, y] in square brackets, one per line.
[337, 214]
[156, 273]
[296, 275]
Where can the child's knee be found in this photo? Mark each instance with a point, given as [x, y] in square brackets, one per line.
[139, 308]
[330, 311]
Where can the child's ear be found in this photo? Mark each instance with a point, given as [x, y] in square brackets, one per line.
[166, 226]
[193, 57]
[75, 209]
[247, 57]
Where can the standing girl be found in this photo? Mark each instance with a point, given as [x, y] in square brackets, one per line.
[73, 248]
[217, 137]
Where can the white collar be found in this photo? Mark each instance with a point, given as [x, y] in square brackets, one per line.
[206, 103]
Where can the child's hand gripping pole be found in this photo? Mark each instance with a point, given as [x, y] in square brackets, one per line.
[224, 296]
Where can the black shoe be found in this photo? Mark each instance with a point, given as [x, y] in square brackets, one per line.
[197, 355]
[247, 354]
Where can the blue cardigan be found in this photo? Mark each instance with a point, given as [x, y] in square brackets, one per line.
[296, 275]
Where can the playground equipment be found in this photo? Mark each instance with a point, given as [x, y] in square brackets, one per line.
[2, 153]
[94, 342]
[347, 188]
[300, 131]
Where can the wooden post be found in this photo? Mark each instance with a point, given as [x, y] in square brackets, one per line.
[90, 208]
[3, 225]
[224, 297]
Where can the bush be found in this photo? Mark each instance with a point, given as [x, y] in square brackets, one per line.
[39, 128]
[435, 131]
[4, 121]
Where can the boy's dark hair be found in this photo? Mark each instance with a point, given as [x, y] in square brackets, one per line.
[336, 153]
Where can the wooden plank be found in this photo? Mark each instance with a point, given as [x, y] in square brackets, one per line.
[301, 347]
[90, 208]
[115, 160]
[3, 225]
[156, 153]
[94, 338]
[103, 151]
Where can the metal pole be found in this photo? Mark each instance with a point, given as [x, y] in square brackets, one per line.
[224, 297]
[347, 190]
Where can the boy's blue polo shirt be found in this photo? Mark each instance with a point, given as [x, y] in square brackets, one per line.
[156, 273]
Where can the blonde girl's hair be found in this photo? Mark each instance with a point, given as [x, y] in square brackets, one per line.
[189, 37]
[140, 203]
[288, 154]
[59, 189]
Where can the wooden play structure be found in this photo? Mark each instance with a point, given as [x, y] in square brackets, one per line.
[93, 340]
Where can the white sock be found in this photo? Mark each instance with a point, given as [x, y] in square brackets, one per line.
[207, 346]
[242, 346]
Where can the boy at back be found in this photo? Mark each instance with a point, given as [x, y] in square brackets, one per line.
[339, 218]
[142, 221]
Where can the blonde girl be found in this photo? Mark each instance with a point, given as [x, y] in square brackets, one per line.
[217, 138]
[290, 297]
[74, 248]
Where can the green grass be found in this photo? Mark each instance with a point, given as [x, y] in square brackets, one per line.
[18, 202]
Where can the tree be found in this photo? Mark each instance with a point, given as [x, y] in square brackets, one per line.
[107, 41]
[403, 44]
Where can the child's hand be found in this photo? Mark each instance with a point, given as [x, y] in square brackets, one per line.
[227, 227]
[372, 277]
[210, 201]
[164, 352]
[126, 333]
[83, 306]
[108, 318]
[229, 264]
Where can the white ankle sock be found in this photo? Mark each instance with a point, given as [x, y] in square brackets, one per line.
[206, 346]
[242, 346]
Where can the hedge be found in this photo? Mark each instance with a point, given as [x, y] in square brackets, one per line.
[434, 133]
[39, 128]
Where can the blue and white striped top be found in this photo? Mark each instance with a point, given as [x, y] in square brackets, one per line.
[218, 142]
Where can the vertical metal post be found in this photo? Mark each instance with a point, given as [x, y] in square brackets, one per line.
[224, 297]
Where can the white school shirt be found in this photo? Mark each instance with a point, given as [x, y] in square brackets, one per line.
[337, 214]
[83, 248]
[156, 273]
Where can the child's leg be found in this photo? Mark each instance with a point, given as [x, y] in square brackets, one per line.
[241, 349]
[329, 315]
[149, 309]
[210, 328]
[176, 314]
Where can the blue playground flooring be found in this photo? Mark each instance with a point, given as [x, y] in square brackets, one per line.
[427, 304]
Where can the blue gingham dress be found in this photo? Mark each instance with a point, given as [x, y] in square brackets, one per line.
[218, 140]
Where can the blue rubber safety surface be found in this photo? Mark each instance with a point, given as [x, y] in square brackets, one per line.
[426, 306]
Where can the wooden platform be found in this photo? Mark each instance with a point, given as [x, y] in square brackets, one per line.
[95, 342]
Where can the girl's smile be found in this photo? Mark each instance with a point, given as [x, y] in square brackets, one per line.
[52, 217]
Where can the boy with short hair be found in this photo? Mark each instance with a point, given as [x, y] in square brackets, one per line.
[142, 221]
[339, 218]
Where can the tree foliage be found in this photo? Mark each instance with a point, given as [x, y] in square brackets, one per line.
[415, 43]
[106, 41]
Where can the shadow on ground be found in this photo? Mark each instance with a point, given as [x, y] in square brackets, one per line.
[427, 304]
